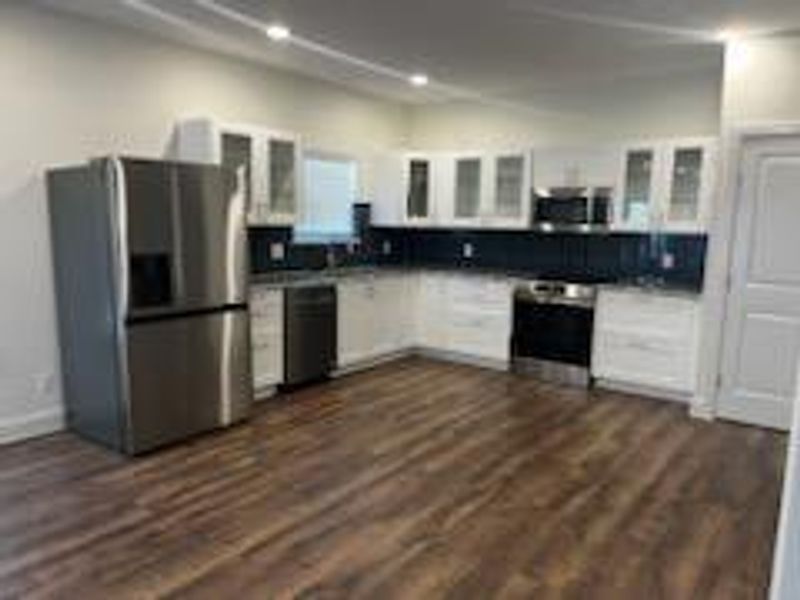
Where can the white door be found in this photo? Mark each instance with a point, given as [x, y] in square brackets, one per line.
[762, 329]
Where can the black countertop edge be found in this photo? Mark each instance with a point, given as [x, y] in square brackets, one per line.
[306, 276]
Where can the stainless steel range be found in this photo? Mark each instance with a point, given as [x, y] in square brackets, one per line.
[552, 334]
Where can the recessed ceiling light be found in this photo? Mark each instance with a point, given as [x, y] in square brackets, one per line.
[418, 80]
[278, 32]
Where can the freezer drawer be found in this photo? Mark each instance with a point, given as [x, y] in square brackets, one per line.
[187, 375]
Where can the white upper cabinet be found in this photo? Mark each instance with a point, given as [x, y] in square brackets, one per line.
[468, 188]
[690, 177]
[584, 166]
[267, 164]
[483, 189]
[419, 184]
[637, 203]
[666, 186]
[282, 168]
[509, 177]
[662, 185]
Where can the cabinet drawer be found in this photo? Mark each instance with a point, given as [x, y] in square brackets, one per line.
[652, 312]
[646, 360]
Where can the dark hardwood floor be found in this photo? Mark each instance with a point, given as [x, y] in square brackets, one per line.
[418, 479]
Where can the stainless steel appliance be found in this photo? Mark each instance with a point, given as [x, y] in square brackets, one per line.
[151, 285]
[552, 332]
[572, 209]
[310, 330]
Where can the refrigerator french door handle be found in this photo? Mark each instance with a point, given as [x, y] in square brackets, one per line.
[121, 226]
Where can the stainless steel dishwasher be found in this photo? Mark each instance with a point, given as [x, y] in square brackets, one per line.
[310, 330]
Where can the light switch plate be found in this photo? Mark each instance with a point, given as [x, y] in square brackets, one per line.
[277, 251]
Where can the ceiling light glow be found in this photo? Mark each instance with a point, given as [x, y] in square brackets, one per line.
[419, 80]
[278, 32]
[729, 34]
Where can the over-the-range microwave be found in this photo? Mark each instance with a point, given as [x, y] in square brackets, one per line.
[572, 209]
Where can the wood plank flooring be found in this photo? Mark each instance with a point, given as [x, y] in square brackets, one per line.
[418, 479]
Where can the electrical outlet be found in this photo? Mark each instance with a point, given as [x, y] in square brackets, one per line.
[386, 247]
[277, 251]
[667, 261]
[467, 250]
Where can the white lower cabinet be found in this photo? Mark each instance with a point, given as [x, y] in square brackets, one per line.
[266, 332]
[374, 317]
[462, 314]
[647, 339]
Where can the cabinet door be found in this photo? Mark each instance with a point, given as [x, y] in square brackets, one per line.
[510, 179]
[690, 171]
[197, 140]
[266, 333]
[468, 187]
[282, 176]
[646, 339]
[388, 196]
[638, 191]
[356, 314]
[237, 155]
[419, 182]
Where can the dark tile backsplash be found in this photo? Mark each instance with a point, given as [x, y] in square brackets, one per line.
[610, 257]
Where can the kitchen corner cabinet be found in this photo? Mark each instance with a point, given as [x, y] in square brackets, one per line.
[374, 317]
[267, 164]
[266, 333]
[666, 186]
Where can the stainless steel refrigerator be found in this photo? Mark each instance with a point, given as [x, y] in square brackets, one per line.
[150, 265]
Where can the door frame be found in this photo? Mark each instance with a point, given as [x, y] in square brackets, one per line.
[719, 259]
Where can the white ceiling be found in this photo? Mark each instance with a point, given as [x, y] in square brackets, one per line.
[494, 49]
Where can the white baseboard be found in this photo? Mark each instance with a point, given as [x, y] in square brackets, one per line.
[460, 357]
[702, 410]
[371, 362]
[642, 390]
[29, 426]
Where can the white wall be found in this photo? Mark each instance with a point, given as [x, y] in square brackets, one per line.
[679, 104]
[761, 88]
[762, 81]
[73, 89]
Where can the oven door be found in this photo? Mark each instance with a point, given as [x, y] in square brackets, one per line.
[557, 333]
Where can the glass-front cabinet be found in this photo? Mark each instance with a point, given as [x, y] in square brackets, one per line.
[265, 163]
[638, 189]
[282, 176]
[510, 179]
[418, 188]
[689, 166]
[666, 186]
[467, 201]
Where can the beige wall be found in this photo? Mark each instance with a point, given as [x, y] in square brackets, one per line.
[72, 89]
[682, 104]
[762, 81]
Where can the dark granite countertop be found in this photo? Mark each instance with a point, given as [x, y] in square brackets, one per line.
[293, 278]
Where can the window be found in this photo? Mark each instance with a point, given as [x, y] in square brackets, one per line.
[331, 189]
